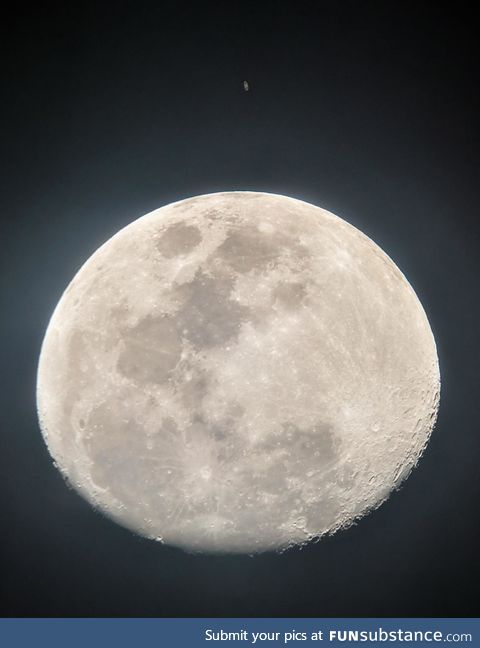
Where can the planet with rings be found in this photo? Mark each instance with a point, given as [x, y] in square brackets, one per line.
[237, 372]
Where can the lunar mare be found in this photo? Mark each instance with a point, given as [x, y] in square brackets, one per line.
[237, 372]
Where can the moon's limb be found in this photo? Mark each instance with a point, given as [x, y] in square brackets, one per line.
[238, 371]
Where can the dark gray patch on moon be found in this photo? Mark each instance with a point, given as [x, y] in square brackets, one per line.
[244, 250]
[151, 351]
[236, 410]
[220, 430]
[178, 239]
[194, 388]
[290, 294]
[169, 426]
[208, 316]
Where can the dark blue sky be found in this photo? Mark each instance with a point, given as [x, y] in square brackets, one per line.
[369, 109]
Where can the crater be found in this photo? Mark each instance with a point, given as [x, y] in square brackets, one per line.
[178, 239]
[322, 515]
[236, 410]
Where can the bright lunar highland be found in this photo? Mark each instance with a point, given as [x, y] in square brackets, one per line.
[237, 372]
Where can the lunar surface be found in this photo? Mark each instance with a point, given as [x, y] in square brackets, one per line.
[237, 372]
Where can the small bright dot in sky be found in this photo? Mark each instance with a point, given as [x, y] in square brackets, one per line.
[246, 86]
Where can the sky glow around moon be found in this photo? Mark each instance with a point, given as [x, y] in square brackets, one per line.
[237, 372]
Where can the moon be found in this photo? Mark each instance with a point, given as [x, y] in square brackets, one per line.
[237, 372]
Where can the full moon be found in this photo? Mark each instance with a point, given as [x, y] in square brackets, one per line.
[237, 372]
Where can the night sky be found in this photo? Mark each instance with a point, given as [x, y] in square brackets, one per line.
[368, 109]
